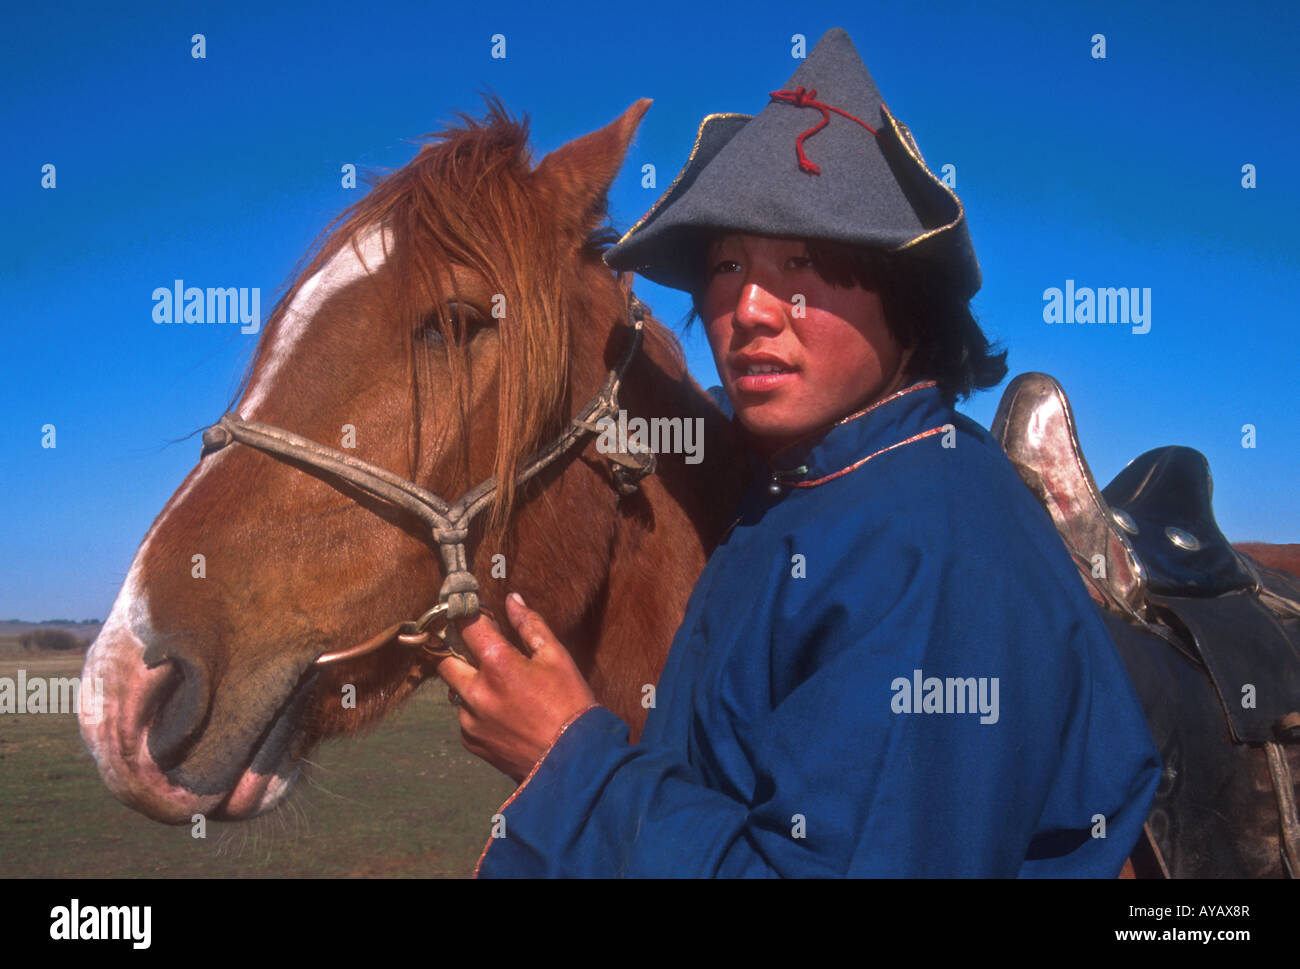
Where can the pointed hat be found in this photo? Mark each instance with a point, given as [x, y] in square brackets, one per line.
[825, 159]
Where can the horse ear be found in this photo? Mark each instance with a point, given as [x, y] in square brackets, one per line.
[581, 172]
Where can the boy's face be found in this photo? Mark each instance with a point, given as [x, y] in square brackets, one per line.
[794, 352]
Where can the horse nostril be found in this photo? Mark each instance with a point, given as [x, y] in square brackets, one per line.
[179, 709]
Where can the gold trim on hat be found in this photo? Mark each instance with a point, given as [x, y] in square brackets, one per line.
[904, 135]
[699, 133]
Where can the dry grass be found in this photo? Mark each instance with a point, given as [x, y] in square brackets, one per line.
[407, 800]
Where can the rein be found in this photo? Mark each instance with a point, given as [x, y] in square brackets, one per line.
[448, 523]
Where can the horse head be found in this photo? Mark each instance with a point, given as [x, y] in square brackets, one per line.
[448, 327]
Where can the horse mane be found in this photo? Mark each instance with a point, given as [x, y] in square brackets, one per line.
[469, 198]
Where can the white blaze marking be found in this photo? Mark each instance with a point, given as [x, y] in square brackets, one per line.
[343, 269]
[131, 609]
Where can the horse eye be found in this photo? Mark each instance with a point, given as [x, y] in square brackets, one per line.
[461, 320]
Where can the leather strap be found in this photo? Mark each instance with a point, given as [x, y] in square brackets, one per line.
[448, 523]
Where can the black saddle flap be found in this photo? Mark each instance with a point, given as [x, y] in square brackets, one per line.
[1207, 791]
[1166, 494]
[1251, 656]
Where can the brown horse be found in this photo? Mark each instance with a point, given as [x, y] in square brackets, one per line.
[1284, 557]
[449, 326]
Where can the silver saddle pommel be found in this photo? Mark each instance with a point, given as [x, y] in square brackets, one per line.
[1148, 548]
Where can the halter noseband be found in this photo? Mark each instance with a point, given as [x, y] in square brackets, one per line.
[448, 523]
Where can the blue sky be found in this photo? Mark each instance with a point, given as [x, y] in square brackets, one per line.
[1123, 171]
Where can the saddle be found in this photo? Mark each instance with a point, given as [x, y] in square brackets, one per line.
[1152, 556]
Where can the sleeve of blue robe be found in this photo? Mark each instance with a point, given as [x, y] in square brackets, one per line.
[785, 743]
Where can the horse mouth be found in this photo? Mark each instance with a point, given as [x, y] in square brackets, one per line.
[229, 767]
[273, 767]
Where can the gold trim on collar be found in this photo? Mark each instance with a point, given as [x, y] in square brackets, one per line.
[861, 461]
[827, 428]
[699, 132]
[917, 385]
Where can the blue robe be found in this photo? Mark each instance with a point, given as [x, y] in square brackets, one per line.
[891, 667]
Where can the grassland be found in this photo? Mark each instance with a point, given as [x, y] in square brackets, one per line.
[403, 801]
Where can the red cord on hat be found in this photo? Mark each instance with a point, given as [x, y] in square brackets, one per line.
[802, 97]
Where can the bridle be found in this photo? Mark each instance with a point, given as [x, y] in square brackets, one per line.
[448, 522]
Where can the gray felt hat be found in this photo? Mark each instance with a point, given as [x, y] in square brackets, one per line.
[824, 160]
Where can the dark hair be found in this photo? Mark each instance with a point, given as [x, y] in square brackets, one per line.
[923, 311]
